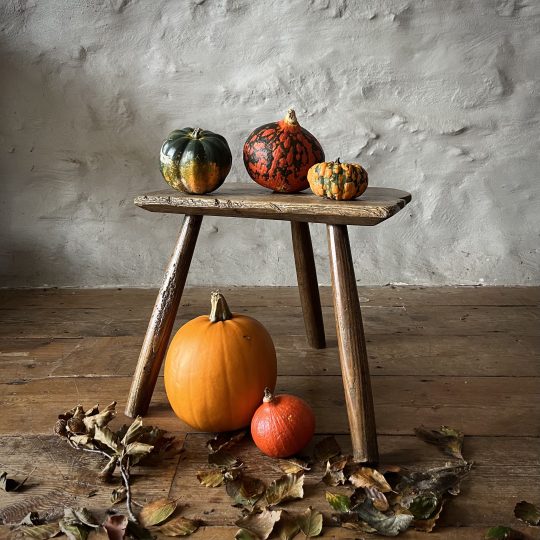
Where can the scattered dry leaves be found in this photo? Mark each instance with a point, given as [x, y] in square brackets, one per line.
[286, 487]
[310, 522]
[448, 439]
[262, 524]
[528, 513]
[156, 512]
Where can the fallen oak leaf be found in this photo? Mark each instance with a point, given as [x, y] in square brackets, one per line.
[178, 526]
[41, 532]
[366, 477]
[340, 503]
[503, 533]
[261, 525]
[156, 512]
[528, 513]
[212, 478]
[310, 522]
[115, 526]
[326, 449]
[448, 439]
[286, 487]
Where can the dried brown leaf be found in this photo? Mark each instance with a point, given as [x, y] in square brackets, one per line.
[223, 441]
[428, 524]
[293, 465]
[80, 516]
[100, 419]
[262, 524]
[385, 524]
[326, 449]
[288, 486]
[118, 495]
[107, 437]
[211, 478]
[224, 459]
[448, 439]
[74, 531]
[137, 451]
[503, 533]
[244, 490]
[340, 503]
[528, 513]
[379, 500]
[334, 474]
[156, 512]
[179, 526]
[115, 526]
[133, 432]
[310, 522]
[244, 534]
[366, 477]
[9, 484]
[41, 532]
[287, 527]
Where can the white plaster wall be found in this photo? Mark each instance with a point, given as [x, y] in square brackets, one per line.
[439, 98]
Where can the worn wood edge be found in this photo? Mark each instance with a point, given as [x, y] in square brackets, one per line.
[359, 212]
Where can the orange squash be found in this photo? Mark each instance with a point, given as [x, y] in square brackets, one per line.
[217, 367]
[282, 425]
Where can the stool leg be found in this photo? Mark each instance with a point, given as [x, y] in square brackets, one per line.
[306, 274]
[352, 347]
[162, 319]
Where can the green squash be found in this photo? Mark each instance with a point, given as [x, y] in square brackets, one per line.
[195, 160]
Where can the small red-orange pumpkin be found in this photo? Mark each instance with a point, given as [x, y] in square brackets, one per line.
[282, 425]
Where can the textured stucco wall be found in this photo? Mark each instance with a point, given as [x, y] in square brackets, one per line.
[440, 98]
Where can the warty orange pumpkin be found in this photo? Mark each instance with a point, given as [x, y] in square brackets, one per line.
[282, 425]
[217, 368]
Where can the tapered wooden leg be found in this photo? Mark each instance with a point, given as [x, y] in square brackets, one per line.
[306, 274]
[352, 347]
[162, 320]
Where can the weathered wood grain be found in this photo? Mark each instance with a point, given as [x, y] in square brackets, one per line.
[495, 406]
[161, 322]
[308, 286]
[352, 347]
[405, 320]
[253, 201]
[143, 299]
[62, 476]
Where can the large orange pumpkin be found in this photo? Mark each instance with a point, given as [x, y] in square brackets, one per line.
[217, 367]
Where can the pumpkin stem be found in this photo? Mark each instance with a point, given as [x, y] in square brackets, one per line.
[268, 396]
[196, 133]
[220, 310]
[338, 162]
[290, 118]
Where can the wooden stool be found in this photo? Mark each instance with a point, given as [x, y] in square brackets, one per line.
[253, 201]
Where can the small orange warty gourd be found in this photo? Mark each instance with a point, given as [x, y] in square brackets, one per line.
[282, 425]
[336, 180]
[217, 368]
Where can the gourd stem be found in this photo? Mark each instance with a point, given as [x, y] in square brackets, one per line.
[268, 396]
[290, 118]
[338, 162]
[220, 310]
[196, 133]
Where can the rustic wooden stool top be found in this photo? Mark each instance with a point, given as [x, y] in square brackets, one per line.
[253, 201]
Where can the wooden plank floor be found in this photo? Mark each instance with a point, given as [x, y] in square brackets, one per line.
[466, 357]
